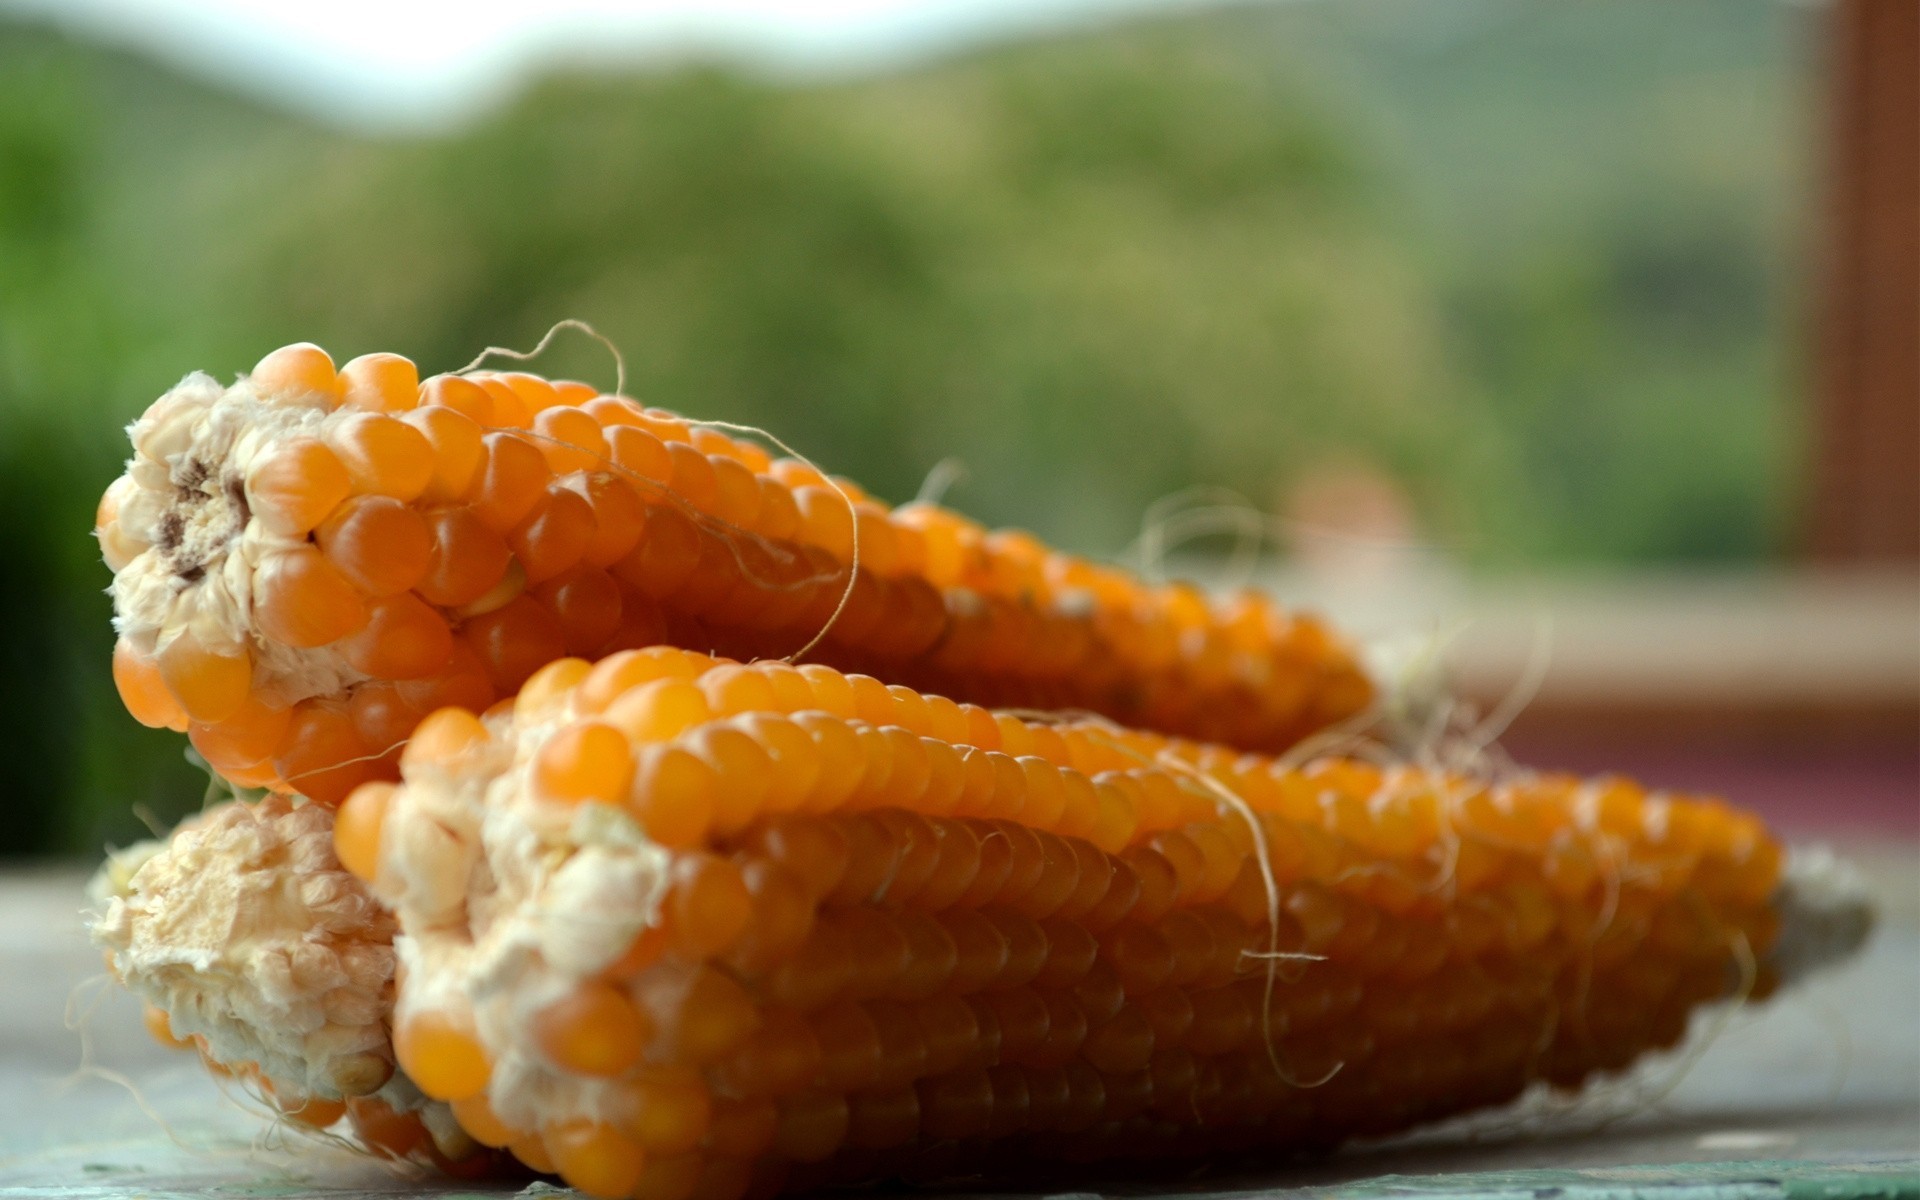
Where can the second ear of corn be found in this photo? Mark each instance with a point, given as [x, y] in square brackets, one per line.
[309, 561]
[684, 929]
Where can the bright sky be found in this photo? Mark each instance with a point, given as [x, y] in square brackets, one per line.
[410, 63]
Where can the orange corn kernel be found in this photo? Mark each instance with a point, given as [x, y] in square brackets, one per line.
[512, 477]
[826, 520]
[380, 383]
[356, 828]
[532, 1152]
[641, 458]
[385, 1132]
[554, 535]
[467, 558]
[674, 796]
[441, 1053]
[380, 545]
[301, 599]
[736, 493]
[570, 440]
[708, 906]
[598, 1159]
[534, 392]
[482, 1124]
[143, 689]
[385, 718]
[245, 737]
[443, 737]
[588, 761]
[509, 410]
[210, 686]
[592, 1030]
[551, 687]
[513, 641]
[383, 456]
[462, 682]
[462, 395]
[617, 674]
[743, 769]
[322, 755]
[619, 517]
[292, 490]
[402, 639]
[660, 711]
[672, 1110]
[812, 1125]
[698, 1015]
[585, 603]
[300, 371]
[457, 450]
[692, 478]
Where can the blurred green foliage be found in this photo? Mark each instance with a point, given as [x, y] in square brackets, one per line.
[1537, 261]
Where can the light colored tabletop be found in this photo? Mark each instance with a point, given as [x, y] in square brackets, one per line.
[1815, 1093]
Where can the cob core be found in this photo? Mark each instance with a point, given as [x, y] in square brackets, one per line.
[681, 928]
[309, 561]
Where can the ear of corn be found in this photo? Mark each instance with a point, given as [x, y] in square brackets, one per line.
[676, 927]
[308, 562]
[685, 929]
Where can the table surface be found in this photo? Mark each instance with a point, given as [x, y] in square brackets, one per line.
[1815, 1093]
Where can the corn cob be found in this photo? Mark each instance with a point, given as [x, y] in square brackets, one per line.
[308, 562]
[679, 928]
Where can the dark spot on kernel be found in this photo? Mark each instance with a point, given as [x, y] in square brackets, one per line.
[193, 473]
[193, 574]
[236, 489]
[173, 528]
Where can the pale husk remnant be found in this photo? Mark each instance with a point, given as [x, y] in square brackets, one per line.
[249, 934]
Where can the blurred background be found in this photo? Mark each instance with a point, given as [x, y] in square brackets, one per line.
[1572, 341]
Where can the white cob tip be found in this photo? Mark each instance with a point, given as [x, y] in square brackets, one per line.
[185, 540]
[248, 933]
[1826, 912]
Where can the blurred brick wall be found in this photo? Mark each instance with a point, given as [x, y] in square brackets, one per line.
[1865, 501]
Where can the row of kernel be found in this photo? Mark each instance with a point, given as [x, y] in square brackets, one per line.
[1210, 859]
[1191, 1100]
[1178, 1085]
[1011, 1101]
[951, 551]
[1027, 1021]
[891, 544]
